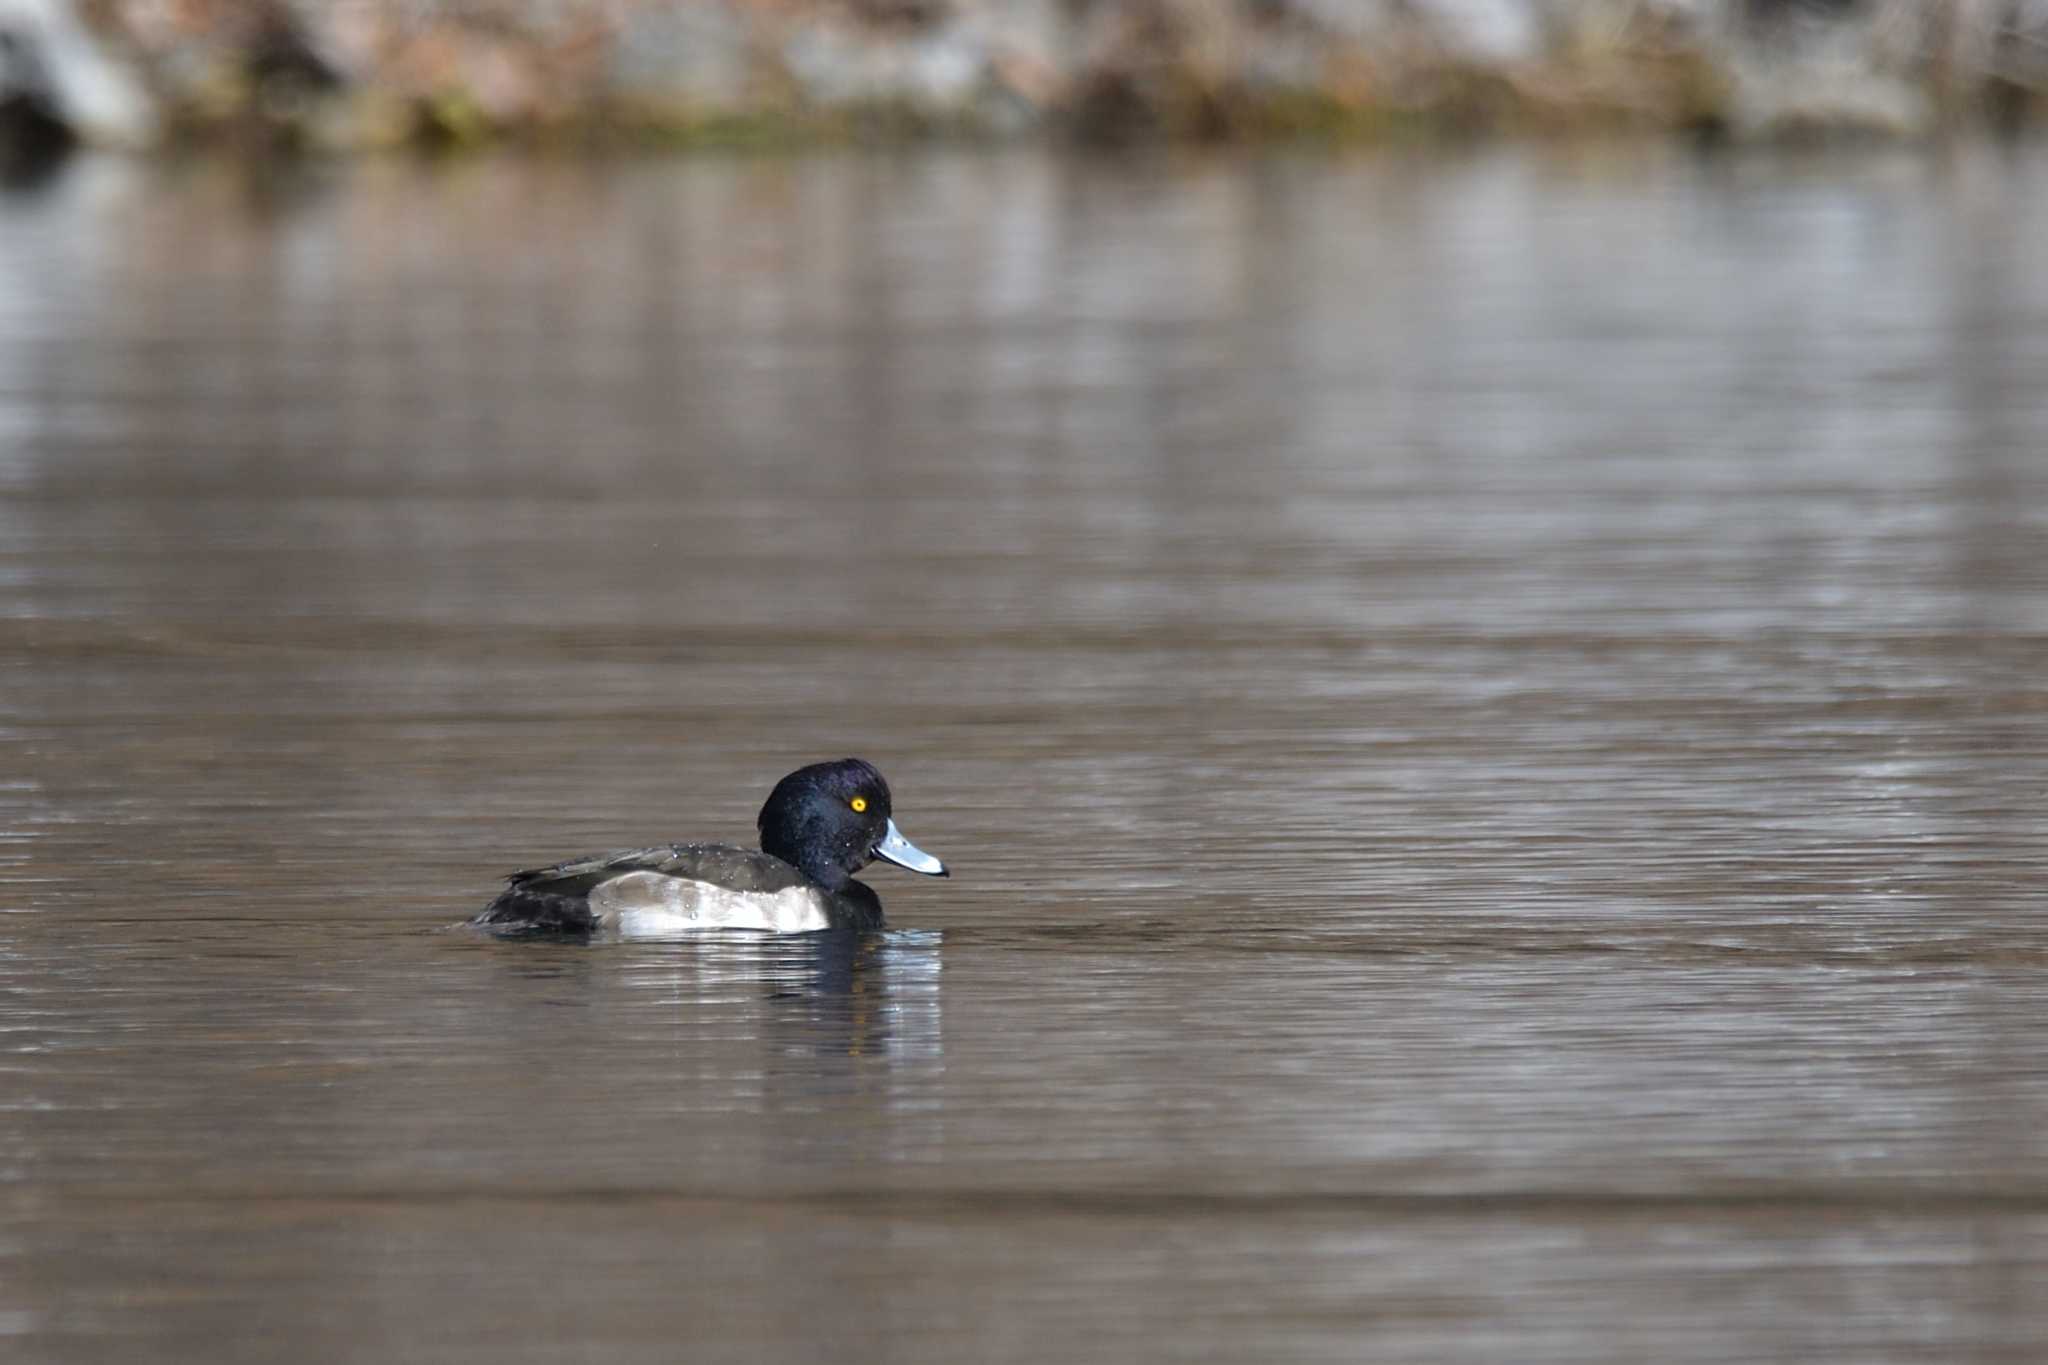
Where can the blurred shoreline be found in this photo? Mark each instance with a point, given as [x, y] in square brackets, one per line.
[368, 74]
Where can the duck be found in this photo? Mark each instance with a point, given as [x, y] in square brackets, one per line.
[820, 825]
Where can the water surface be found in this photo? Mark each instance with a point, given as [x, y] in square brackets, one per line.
[1486, 709]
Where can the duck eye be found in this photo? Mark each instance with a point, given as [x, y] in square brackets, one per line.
[859, 804]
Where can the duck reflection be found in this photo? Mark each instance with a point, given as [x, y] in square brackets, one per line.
[804, 1050]
[834, 993]
[846, 993]
[748, 1055]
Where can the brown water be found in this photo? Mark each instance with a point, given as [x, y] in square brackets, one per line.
[1488, 710]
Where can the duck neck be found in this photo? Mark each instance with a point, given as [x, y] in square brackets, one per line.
[860, 900]
[811, 859]
[827, 873]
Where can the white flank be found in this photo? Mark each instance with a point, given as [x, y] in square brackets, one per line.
[650, 905]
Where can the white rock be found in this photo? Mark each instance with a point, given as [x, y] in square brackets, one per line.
[98, 96]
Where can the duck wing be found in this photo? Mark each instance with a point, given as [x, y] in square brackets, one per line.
[556, 898]
[736, 869]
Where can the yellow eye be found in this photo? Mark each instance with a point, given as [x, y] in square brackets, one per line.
[859, 804]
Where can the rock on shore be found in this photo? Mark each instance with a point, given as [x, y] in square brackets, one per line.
[371, 72]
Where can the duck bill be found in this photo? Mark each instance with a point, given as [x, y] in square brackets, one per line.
[905, 854]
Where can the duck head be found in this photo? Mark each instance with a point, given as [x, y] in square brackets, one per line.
[830, 820]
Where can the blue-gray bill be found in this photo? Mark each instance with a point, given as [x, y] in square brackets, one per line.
[903, 853]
